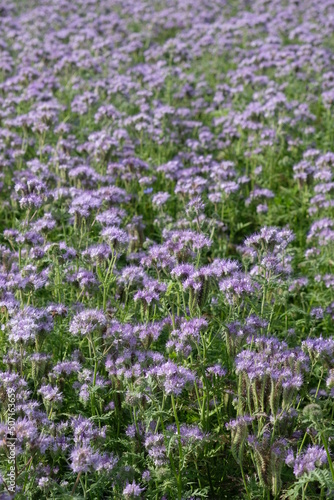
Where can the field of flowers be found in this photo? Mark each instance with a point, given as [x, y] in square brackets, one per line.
[166, 249]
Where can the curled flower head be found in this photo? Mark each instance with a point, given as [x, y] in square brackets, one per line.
[305, 462]
[87, 322]
[116, 237]
[132, 490]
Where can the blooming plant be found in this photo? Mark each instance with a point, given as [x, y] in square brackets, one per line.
[166, 249]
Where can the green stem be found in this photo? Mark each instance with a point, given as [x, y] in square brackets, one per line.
[179, 478]
[244, 480]
[177, 425]
[304, 491]
[91, 341]
[330, 463]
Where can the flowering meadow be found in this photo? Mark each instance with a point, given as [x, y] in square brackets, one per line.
[167, 249]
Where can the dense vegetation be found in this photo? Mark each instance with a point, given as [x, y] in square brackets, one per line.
[166, 253]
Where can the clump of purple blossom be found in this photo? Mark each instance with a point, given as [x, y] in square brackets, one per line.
[166, 264]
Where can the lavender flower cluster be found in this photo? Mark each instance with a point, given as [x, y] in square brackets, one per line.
[166, 253]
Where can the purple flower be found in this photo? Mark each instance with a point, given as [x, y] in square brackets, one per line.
[98, 253]
[66, 253]
[173, 378]
[155, 446]
[111, 217]
[262, 208]
[270, 238]
[50, 394]
[29, 323]
[317, 312]
[146, 476]
[183, 271]
[297, 284]
[306, 462]
[319, 349]
[85, 430]
[87, 322]
[116, 237]
[83, 278]
[66, 367]
[330, 379]
[84, 459]
[160, 199]
[217, 370]
[190, 434]
[237, 285]
[146, 295]
[158, 256]
[132, 490]
[184, 338]
[44, 482]
[259, 193]
[84, 204]
[242, 421]
[151, 291]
